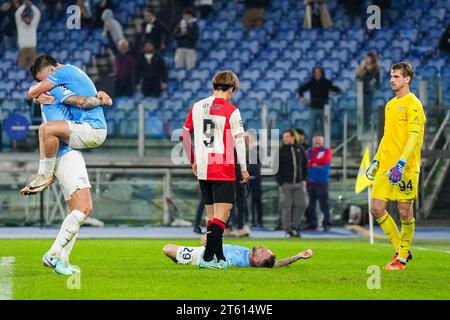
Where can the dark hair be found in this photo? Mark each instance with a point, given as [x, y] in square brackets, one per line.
[44, 60]
[189, 11]
[269, 262]
[317, 134]
[300, 131]
[406, 69]
[290, 131]
[151, 11]
[321, 70]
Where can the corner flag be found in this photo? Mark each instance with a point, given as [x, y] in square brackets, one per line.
[362, 182]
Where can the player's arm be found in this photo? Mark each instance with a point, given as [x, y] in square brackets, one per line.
[285, 262]
[88, 102]
[237, 130]
[40, 88]
[416, 121]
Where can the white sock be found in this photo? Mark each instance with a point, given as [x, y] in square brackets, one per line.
[69, 229]
[68, 249]
[46, 166]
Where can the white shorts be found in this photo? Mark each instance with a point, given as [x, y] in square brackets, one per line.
[83, 136]
[190, 255]
[70, 170]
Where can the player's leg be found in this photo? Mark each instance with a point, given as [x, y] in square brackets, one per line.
[408, 226]
[288, 196]
[73, 178]
[83, 136]
[207, 197]
[382, 191]
[170, 250]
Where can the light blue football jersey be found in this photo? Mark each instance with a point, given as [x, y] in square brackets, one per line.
[58, 111]
[77, 81]
[237, 255]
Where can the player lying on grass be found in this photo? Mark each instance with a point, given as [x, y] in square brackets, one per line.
[86, 129]
[237, 256]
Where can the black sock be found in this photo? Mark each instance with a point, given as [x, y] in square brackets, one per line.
[218, 235]
[208, 255]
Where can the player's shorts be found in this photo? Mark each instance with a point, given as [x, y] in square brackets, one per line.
[405, 191]
[70, 170]
[83, 136]
[190, 255]
[218, 191]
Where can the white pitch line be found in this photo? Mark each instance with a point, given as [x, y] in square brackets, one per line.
[6, 278]
[419, 248]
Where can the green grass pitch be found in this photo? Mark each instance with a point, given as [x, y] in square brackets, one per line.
[137, 269]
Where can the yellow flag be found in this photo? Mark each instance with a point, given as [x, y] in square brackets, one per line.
[362, 182]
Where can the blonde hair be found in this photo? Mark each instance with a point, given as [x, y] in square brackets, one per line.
[224, 80]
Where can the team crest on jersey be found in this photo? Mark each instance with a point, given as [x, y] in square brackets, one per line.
[216, 106]
[65, 90]
[400, 109]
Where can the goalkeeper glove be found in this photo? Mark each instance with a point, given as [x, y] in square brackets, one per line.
[372, 170]
[396, 173]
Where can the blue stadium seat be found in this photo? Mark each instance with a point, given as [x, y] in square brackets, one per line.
[285, 64]
[249, 104]
[211, 64]
[277, 74]
[263, 64]
[260, 35]
[211, 34]
[291, 84]
[271, 54]
[293, 54]
[252, 45]
[286, 34]
[252, 74]
[304, 45]
[332, 34]
[333, 64]
[246, 85]
[351, 45]
[278, 44]
[267, 84]
[219, 54]
[317, 54]
[200, 73]
[300, 74]
[234, 34]
[325, 44]
[343, 55]
[284, 95]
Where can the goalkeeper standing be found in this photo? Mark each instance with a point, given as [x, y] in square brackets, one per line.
[396, 164]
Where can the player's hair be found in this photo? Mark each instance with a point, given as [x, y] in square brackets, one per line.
[151, 11]
[44, 60]
[269, 262]
[300, 131]
[224, 80]
[406, 69]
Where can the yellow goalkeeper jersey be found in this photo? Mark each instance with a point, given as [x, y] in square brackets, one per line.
[402, 116]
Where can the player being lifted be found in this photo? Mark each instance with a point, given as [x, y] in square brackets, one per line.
[218, 129]
[396, 165]
[87, 128]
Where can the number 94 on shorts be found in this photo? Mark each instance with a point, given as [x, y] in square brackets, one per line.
[405, 191]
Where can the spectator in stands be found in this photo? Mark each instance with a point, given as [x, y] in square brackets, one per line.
[319, 159]
[101, 6]
[112, 29]
[52, 9]
[87, 19]
[311, 7]
[254, 13]
[369, 73]
[124, 70]
[300, 137]
[187, 35]
[27, 24]
[206, 7]
[291, 177]
[444, 43]
[255, 179]
[320, 88]
[151, 71]
[8, 31]
[153, 30]
[352, 9]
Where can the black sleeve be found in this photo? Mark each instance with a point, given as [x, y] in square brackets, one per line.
[304, 164]
[164, 73]
[334, 88]
[193, 32]
[303, 88]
